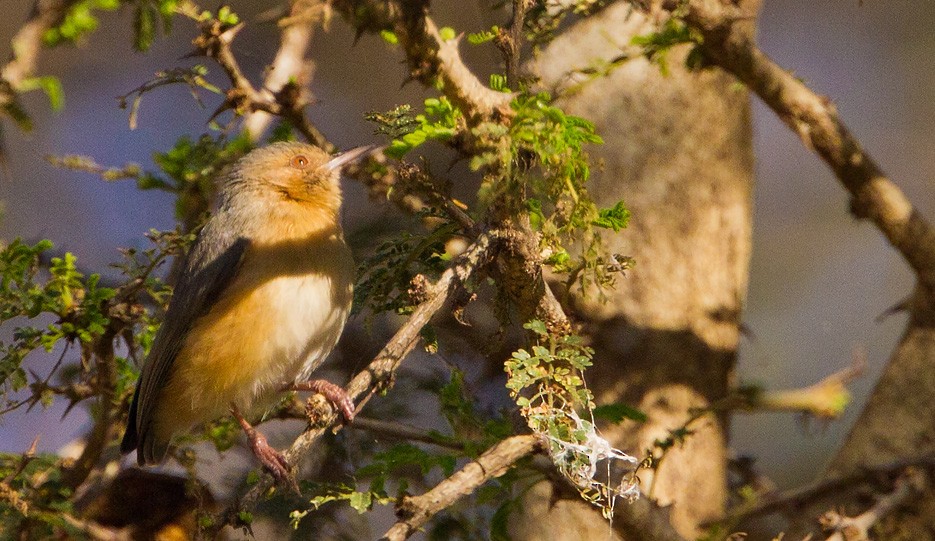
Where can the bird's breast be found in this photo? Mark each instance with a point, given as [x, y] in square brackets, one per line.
[275, 323]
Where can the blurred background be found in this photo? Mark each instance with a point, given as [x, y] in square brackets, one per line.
[819, 279]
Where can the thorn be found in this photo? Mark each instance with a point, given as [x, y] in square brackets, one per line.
[33, 446]
[71, 406]
[227, 104]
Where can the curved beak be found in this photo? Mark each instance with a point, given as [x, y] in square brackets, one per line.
[354, 155]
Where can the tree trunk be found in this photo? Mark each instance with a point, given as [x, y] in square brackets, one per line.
[678, 151]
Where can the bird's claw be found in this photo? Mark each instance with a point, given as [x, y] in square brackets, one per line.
[334, 393]
[273, 461]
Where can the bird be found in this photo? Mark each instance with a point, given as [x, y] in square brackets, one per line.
[261, 300]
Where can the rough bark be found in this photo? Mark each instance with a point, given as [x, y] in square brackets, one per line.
[678, 151]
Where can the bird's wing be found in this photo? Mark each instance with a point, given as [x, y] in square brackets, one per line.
[208, 270]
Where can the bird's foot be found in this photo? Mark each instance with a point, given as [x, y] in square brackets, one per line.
[334, 393]
[273, 461]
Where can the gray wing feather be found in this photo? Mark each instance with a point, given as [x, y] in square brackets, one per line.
[209, 268]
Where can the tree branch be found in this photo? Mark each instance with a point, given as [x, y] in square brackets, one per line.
[291, 67]
[815, 119]
[415, 511]
[288, 101]
[429, 55]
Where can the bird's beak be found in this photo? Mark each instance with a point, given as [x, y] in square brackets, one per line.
[353, 155]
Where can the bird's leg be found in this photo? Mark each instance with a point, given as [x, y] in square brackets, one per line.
[334, 393]
[272, 460]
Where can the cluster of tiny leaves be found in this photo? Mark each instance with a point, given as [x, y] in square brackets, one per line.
[75, 302]
[385, 278]
[439, 123]
[56, 305]
[78, 21]
[30, 489]
[547, 385]
[81, 19]
[539, 163]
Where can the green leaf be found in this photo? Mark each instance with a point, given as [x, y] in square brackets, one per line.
[361, 501]
[429, 338]
[537, 327]
[144, 25]
[485, 36]
[389, 37]
[228, 17]
[498, 82]
[15, 111]
[616, 217]
[50, 85]
[447, 33]
[536, 217]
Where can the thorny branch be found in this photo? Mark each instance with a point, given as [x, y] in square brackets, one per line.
[796, 499]
[428, 54]
[415, 511]
[288, 101]
[815, 119]
[290, 71]
[510, 42]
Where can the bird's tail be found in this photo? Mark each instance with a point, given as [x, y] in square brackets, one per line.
[131, 438]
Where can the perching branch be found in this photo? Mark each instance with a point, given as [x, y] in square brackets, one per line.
[815, 119]
[415, 511]
[380, 371]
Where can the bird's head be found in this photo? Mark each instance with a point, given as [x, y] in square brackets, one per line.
[292, 173]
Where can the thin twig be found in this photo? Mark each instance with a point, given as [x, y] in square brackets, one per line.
[415, 511]
[403, 431]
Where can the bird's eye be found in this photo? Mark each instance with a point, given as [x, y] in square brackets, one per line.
[299, 162]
